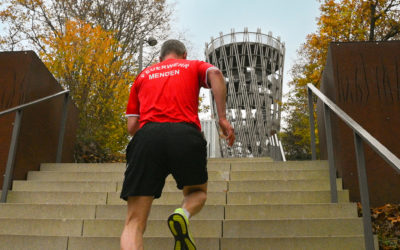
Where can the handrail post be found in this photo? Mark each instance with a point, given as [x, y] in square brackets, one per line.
[312, 127]
[282, 152]
[273, 148]
[329, 144]
[11, 157]
[363, 184]
[62, 127]
[280, 149]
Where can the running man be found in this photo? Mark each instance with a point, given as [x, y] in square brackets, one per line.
[163, 118]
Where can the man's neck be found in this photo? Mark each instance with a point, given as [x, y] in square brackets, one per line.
[172, 56]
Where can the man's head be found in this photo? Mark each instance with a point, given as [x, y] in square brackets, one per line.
[173, 47]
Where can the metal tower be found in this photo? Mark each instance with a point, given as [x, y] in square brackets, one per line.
[252, 64]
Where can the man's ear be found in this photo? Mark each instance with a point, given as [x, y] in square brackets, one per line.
[184, 55]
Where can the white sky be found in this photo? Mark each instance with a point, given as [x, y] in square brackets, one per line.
[292, 20]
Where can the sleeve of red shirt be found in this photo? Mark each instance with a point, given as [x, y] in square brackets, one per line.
[203, 67]
[133, 103]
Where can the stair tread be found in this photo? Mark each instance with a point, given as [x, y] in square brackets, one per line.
[286, 202]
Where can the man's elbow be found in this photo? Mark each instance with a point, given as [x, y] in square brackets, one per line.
[215, 73]
[215, 78]
[132, 126]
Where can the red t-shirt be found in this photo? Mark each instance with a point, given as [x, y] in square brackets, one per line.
[168, 92]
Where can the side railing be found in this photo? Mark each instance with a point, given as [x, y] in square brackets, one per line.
[15, 133]
[276, 149]
[360, 136]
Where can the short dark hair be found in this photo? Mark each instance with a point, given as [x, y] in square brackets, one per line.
[172, 46]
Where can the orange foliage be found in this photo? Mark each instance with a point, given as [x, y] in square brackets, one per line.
[84, 59]
[339, 21]
[386, 224]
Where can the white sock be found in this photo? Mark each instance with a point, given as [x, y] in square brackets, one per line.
[186, 213]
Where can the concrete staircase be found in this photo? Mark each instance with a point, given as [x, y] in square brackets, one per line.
[252, 204]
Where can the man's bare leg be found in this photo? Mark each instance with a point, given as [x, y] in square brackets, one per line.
[135, 223]
[194, 198]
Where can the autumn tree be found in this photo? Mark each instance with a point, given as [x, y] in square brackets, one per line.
[82, 59]
[339, 21]
[91, 48]
[29, 21]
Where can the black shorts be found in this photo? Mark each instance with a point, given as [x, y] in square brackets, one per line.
[160, 149]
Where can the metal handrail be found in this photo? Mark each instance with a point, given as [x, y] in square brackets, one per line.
[15, 133]
[275, 147]
[360, 136]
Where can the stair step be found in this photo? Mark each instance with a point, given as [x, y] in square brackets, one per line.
[170, 186]
[113, 243]
[65, 186]
[167, 198]
[173, 198]
[294, 211]
[155, 228]
[100, 227]
[279, 165]
[280, 175]
[47, 211]
[23, 242]
[41, 227]
[57, 197]
[20, 242]
[213, 212]
[292, 227]
[64, 211]
[112, 167]
[296, 243]
[284, 197]
[103, 176]
[282, 185]
[213, 186]
[252, 204]
[159, 212]
[97, 186]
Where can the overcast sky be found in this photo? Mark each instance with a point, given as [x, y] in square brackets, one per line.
[292, 20]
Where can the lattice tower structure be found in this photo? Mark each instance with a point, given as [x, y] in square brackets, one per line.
[252, 64]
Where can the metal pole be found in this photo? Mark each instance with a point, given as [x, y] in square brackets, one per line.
[363, 184]
[282, 152]
[272, 147]
[11, 157]
[329, 144]
[62, 128]
[312, 127]
[140, 55]
[277, 157]
[278, 149]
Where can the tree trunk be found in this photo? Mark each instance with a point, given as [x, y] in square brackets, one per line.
[372, 23]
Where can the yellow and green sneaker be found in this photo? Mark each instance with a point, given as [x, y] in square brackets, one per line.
[178, 223]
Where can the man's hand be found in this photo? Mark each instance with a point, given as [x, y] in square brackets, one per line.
[227, 131]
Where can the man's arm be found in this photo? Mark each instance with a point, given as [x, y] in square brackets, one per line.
[218, 87]
[133, 124]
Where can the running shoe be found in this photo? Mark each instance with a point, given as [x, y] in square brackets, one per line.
[178, 223]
